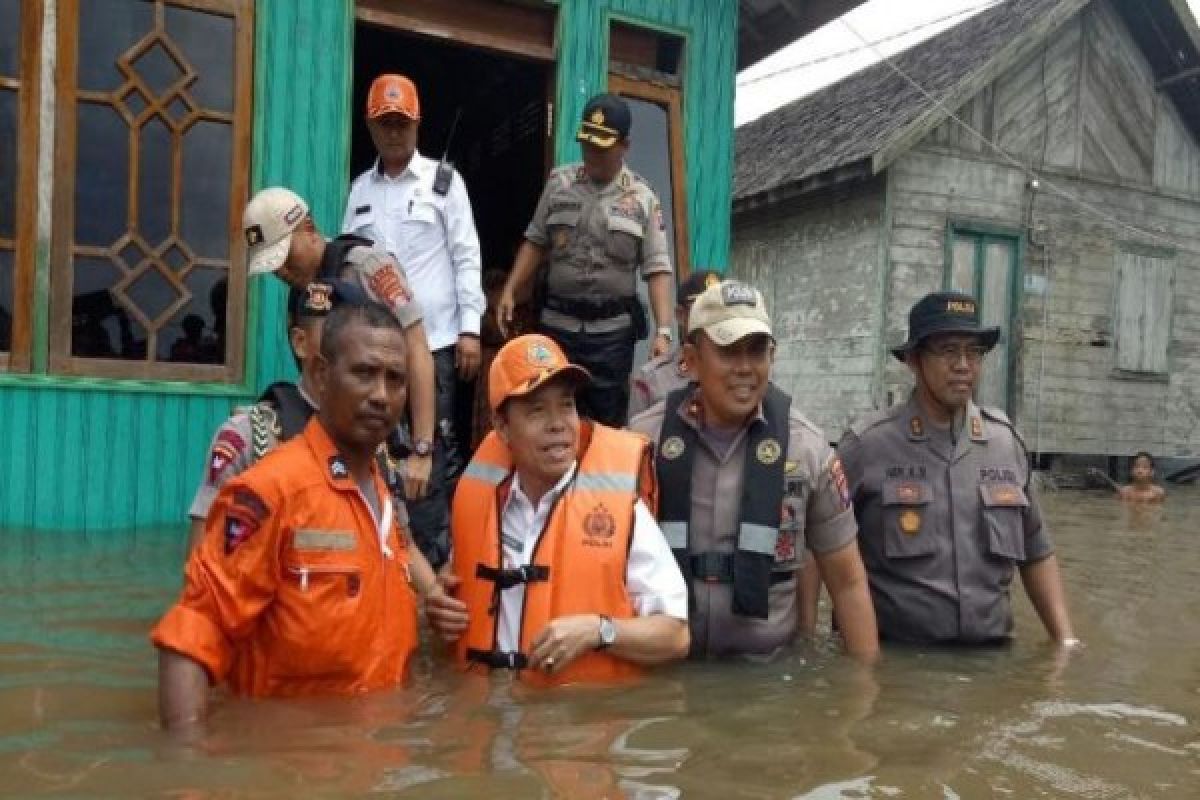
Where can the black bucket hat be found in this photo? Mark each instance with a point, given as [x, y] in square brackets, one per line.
[945, 312]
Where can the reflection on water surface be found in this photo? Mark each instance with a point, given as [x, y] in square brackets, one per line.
[1118, 720]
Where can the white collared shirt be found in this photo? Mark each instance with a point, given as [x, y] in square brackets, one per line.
[433, 237]
[652, 577]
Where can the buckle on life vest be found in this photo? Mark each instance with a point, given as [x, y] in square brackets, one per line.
[507, 578]
[498, 659]
[718, 568]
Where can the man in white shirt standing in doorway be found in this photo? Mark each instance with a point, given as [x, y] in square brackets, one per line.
[419, 211]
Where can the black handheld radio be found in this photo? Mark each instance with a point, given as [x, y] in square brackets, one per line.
[445, 169]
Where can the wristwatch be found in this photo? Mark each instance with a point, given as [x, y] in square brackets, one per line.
[422, 447]
[665, 330]
[608, 632]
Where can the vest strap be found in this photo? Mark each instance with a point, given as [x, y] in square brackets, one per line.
[498, 659]
[507, 578]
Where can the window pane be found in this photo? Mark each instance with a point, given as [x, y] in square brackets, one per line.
[100, 326]
[204, 218]
[195, 334]
[10, 37]
[962, 271]
[101, 175]
[8, 163]
[107, 29]
[206, 40]
[996, 304]
[154, 182]
[6, 299]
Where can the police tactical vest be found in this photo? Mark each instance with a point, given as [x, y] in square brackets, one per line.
[759, 515]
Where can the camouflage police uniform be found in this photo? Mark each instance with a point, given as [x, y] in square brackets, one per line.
[944, 518]
[597, 238]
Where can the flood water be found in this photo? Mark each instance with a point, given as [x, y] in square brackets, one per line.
[1116, 720]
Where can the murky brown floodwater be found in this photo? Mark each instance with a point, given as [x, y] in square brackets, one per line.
[77, 699]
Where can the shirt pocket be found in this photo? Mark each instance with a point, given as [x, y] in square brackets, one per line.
[624, 240]
[560, 228]
[420, 228]
[908, 531]
[319, 606]
[1003, 509]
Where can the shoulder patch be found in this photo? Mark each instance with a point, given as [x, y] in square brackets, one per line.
[226, 449]
[245, 515]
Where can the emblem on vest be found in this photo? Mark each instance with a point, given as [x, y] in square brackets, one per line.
[598, 527]
[976, 428]
[560, 238]
[673, 448]
[915, 427]
[768, 451]
[910, 522]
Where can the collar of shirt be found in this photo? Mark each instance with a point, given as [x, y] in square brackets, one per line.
[720, 443]
[308, 398]
[338, 476]
[417, 167]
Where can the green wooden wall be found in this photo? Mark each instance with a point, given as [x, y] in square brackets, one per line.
[109, 454]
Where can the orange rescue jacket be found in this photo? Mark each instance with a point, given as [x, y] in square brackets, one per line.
[293, 590]
[579, 561]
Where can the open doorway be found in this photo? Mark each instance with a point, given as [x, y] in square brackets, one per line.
[500, 146]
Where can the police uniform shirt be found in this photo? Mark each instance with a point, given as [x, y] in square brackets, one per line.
[596, 237]
[943, 521]
[652, 577]
[431, 235]
[655, 379]
[816, 514]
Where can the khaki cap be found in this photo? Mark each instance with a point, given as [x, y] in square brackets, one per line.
[728, 311]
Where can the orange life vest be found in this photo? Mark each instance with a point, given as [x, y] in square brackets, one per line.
[579, 561]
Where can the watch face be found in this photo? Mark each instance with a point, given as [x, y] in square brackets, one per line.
[608, 631]
[422, 447]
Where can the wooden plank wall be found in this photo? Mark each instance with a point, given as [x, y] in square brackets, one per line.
[1085, 113]
[818, 268]
[711, 30]
[94, 457]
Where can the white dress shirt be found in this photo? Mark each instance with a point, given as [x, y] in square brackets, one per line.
[433, 237]
[652, 577]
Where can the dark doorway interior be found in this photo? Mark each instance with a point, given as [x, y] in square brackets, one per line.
[500, 146]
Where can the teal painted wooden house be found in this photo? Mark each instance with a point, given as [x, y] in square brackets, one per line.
[133, 131]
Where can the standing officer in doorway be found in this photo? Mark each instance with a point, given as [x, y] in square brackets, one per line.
[597, 223]
[746, 484]
[941, 491]
[418, 210]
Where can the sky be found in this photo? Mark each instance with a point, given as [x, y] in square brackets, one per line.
[831, 52]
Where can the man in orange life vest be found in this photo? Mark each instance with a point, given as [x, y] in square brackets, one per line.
[301, 583]
[587, 590]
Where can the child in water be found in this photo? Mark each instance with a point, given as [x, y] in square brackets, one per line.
[1142, 488]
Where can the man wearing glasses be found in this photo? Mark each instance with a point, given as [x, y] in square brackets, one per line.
[941, 491]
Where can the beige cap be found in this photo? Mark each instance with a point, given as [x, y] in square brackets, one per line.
[268, 222]
[728, 311]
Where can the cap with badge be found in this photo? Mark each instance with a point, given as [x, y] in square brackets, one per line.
[945, 312]
[267, 223]
[606, 121]
[393, 94]
[728, 311]
[695, 283]
[527, 363]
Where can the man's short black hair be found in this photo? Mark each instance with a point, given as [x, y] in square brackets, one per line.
[371, 314]
[1142, 454]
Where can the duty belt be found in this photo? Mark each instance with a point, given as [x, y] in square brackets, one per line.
[718, 568]
[498, 659]
[591, 309]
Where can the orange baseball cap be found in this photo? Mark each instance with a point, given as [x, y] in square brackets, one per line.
[393, 94]
[527, 363]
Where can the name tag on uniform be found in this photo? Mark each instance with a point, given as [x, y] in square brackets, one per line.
[316, 539]
[362, 210]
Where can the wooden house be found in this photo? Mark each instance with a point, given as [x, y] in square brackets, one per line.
[1041, 155]
[133, 131]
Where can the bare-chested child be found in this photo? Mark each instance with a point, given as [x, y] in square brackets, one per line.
[1142, 488]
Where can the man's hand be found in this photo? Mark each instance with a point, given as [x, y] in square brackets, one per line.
[564, 640]
[504, 311]
[447, 615]
[466, 356]
[416, 476]
[660, 346]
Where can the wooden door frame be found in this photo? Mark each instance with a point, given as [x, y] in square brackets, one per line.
[671, 99]
[518, 31]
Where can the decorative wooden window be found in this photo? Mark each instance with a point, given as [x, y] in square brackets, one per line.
[20, 32]
[151, 171]
[1145, 300]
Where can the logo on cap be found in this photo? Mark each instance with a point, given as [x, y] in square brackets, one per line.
[293, 216]
[254, 235]
[392, 93]
[960, 307]
[598, 116]
[320, 297]
[737, 294]
[539, 355]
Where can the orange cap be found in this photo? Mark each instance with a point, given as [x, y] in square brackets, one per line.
[393, 94]
[526, 363]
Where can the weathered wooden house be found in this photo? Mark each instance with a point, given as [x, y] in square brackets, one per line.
[1041, 155]
[132, 132]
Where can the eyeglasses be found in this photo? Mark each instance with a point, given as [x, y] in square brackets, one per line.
[953, 353]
